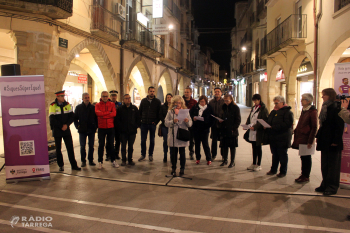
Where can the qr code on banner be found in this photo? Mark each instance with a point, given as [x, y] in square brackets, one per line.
[26, 148]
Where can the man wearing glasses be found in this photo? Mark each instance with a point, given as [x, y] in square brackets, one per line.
[105, 112]
[129, 120]
[61, 116]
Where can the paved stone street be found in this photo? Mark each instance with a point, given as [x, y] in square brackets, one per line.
[142, 199]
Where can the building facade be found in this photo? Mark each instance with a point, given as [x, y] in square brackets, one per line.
[96, 45]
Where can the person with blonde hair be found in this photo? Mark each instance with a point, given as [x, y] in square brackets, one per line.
[231, 119]
[174, 124]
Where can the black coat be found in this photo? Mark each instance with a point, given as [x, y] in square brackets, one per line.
[128, 119]
[331, 131]
[149, 112]
[232, 119]
[162, 113]
[85, 119]
[202, 127]
[281, 122]
[262, 114]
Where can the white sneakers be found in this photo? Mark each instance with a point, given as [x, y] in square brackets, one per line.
[99, 166]
[257, 168]
[115, 164]
[254, 167]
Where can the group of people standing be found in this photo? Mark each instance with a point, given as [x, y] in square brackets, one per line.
[118, 123]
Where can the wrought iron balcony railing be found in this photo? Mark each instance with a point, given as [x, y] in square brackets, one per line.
[104, 23]
[185, 30]
[262, 9]
[339, 4]
[174, 55]
[139, 33]
[294, 27]
[57, 9]
[173, 8]
[187, 65]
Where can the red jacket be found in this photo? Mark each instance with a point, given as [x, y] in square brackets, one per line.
[105, 113]
[190, 103]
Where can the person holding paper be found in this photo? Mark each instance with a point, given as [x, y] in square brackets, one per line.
[202, 121]
[304, 134]
[162, 114]
[280, 135]
[256, 130]
[231, 119]
[329, 140]
[173, 123]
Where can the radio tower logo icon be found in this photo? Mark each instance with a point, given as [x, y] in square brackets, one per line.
[14, 220]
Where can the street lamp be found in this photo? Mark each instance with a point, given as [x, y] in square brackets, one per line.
[244, 48]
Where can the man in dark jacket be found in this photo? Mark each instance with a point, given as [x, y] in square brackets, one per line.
[85, 122]
[149, 112]
[113, 96]
[280, 135]
[128, 119]
[190, 102]
[216, 105]
[61, 116]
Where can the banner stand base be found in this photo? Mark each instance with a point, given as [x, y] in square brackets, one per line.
[344, 186]
[28, 179]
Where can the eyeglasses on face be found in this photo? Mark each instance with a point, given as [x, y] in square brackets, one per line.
[276, 103]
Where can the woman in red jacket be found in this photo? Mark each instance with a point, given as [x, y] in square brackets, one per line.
[305, 133]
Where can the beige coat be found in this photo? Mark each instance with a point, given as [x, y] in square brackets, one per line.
[169, 122]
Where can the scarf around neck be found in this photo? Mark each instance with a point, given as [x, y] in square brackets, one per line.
[201, 109]
[323, 113]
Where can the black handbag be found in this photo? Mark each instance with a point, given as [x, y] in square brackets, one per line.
[246, 136]
[183, 135]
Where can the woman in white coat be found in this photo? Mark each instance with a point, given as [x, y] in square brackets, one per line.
[172, 122]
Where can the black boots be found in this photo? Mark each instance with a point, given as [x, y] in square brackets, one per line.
[223, 163]
[232, 164]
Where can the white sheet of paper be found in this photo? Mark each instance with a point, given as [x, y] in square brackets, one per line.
[303, 150]
[264, 123]
[198, 118]
[183, 113]
[217, 118]
[245, 127]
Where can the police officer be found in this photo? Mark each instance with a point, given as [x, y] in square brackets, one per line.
[61, 116]
[113, 97]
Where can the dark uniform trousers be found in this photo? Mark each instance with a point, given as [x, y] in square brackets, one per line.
[70, 150]
[116, 144]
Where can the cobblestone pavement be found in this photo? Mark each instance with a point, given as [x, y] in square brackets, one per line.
[142, 199]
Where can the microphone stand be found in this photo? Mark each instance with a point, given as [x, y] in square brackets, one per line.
[174, 176]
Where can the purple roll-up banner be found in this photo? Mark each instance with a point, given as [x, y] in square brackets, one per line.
[342, 87]
[24, 128]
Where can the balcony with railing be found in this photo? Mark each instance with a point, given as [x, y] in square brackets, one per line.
[187, 67]
[56, 9]
[340, 4]
[247, 39]
[290, 32]
[185, 30]
[262, 9]
[246, 68]
[173, 8]
[141, 39]
[104, 23]
[253, 20]
[259, 63]
[185, 4]
[172, 56]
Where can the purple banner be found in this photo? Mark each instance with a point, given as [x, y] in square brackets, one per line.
[24, 127]
[342, 87]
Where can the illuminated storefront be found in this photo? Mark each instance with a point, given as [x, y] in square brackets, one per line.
[305, 78]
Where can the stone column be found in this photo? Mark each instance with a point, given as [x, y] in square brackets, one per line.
[38, 54]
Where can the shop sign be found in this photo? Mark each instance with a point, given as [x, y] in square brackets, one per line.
[62, 43]
[157, 9]
[160, 29]
[263, 77]
[280, 75]
[305, 67]
[82, 78]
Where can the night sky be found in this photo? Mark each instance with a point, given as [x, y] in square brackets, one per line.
[215, 14]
